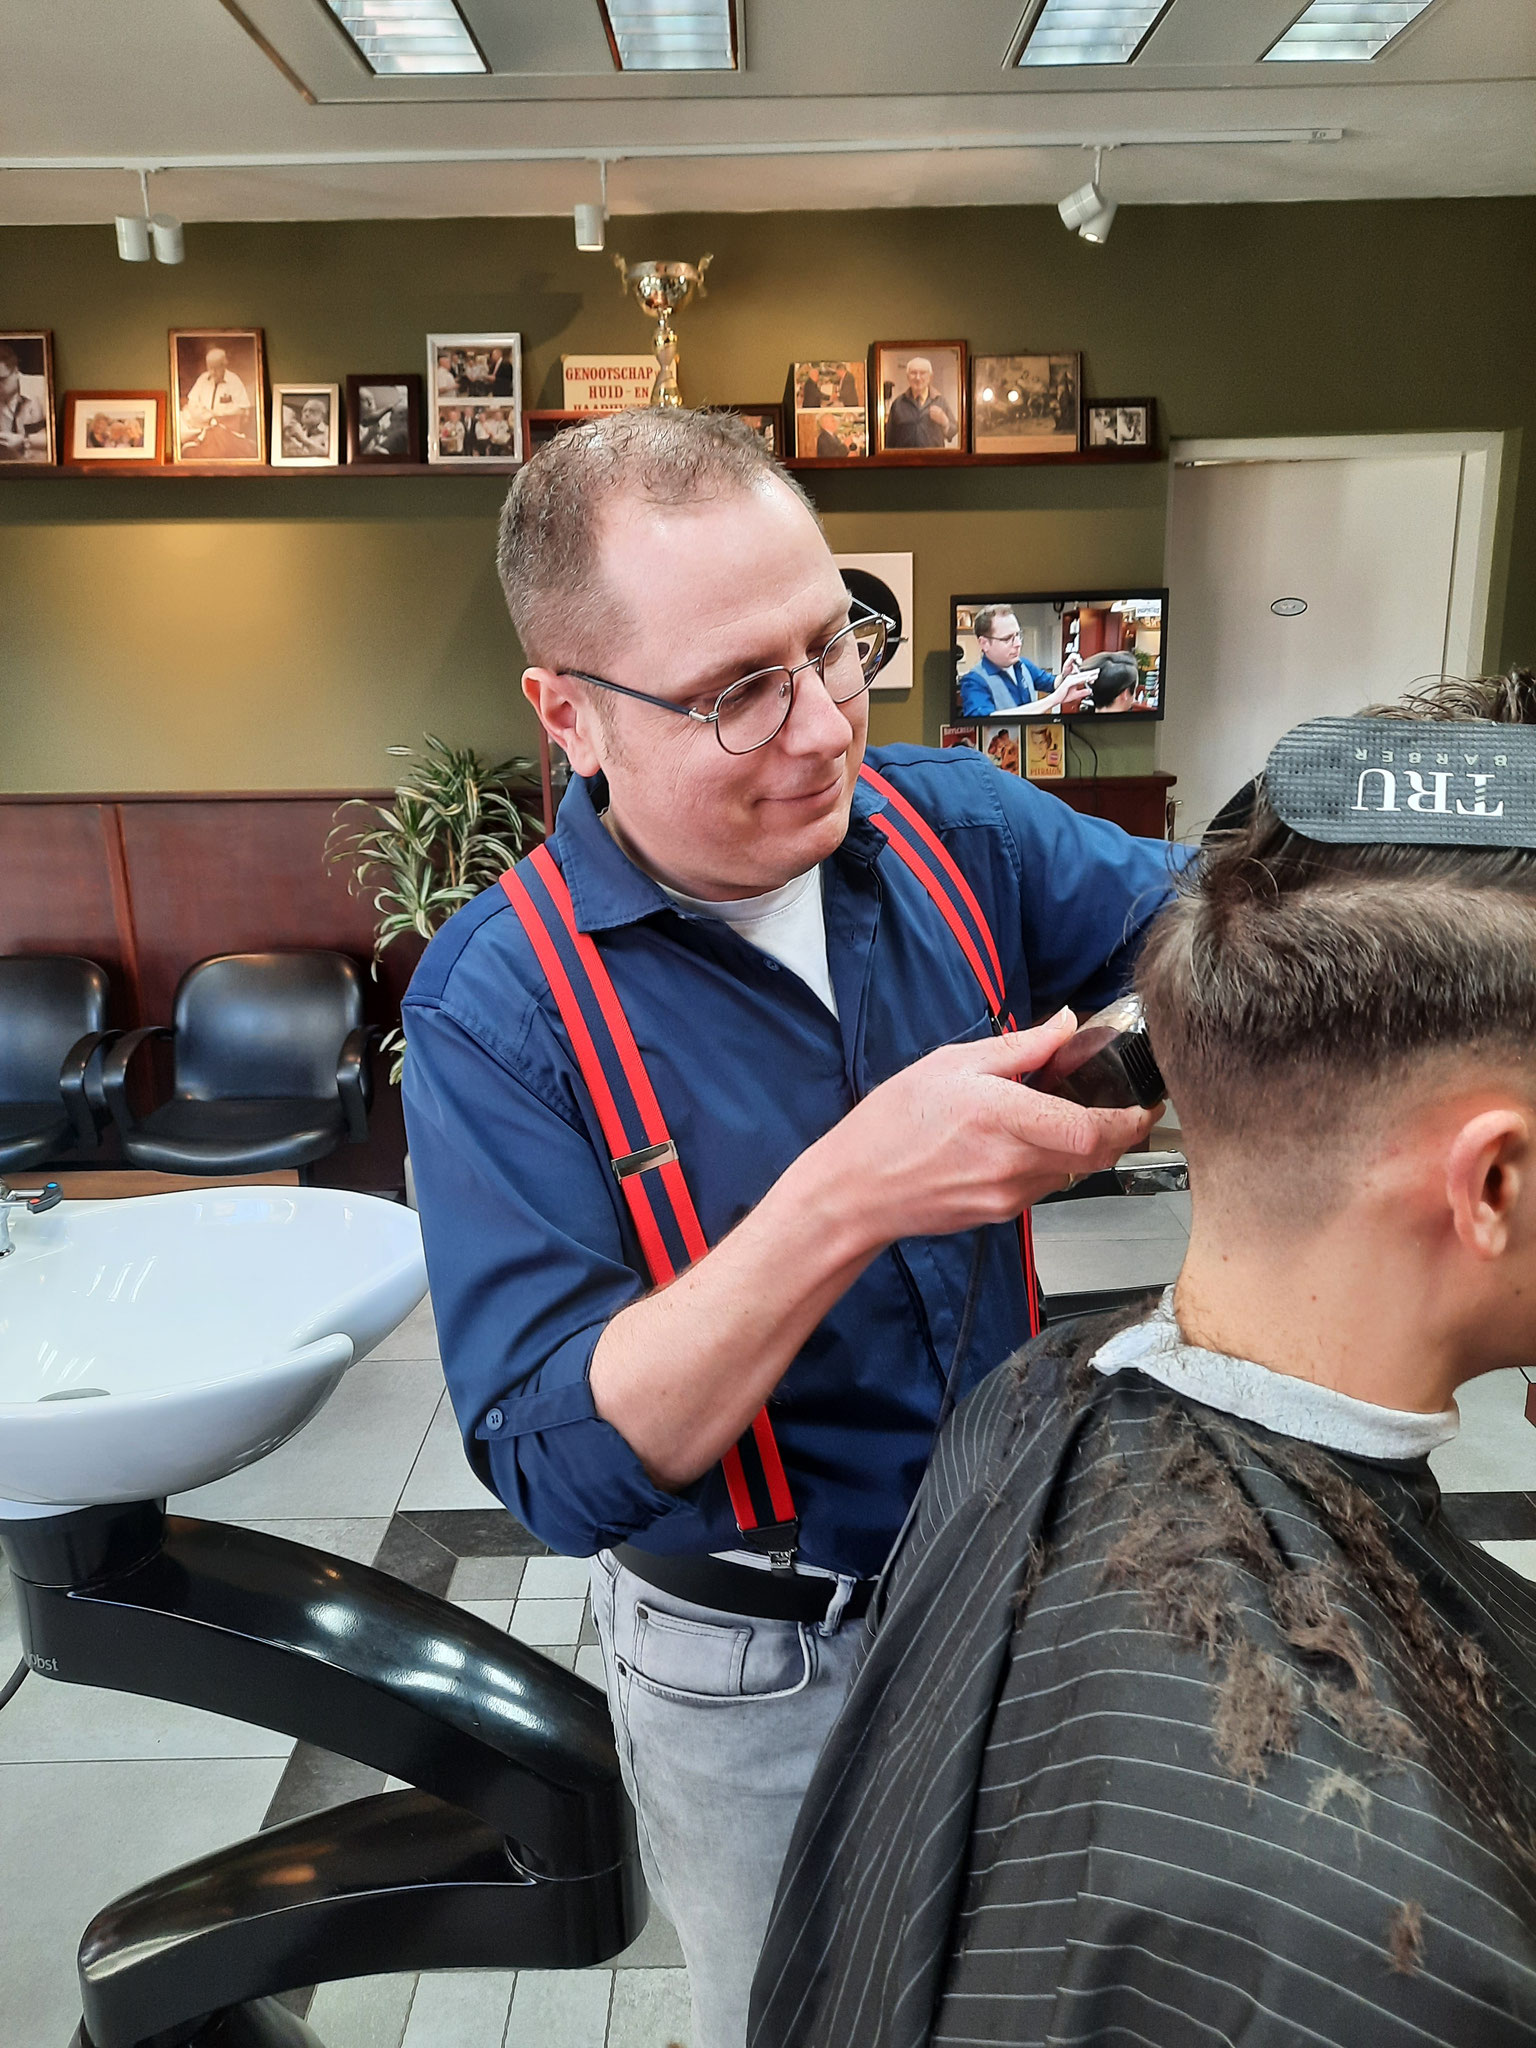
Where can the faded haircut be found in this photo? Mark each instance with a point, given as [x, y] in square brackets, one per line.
[549, 549]
[1290, 985]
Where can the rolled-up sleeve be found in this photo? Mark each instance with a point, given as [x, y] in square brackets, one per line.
[526, 1261]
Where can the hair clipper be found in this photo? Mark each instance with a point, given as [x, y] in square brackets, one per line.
[1107, 1063]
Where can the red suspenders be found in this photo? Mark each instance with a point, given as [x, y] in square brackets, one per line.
[638, 1140]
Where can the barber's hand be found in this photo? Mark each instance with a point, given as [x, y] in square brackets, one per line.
[954, 1141]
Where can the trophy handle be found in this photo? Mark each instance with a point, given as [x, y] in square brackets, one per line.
[622, 267]
[701, 266]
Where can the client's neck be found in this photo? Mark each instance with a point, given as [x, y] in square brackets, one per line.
[1349, 1305]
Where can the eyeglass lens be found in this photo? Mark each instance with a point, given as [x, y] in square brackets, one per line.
[752, 711]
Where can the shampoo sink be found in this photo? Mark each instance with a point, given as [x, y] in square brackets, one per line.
[149, 1345]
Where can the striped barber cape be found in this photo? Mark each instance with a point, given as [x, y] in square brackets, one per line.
[1174, 1732]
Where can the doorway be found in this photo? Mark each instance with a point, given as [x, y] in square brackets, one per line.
[1309, 577]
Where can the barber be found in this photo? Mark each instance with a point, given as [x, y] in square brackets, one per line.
[842, 1107]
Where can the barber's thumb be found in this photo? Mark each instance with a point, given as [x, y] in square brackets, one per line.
[1022, 1052]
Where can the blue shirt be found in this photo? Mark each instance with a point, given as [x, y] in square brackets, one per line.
[987, 689]
[529, 1243]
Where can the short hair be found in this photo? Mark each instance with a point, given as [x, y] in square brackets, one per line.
[913, 362]
[9, 357]
[1290, 985]
[988, 617]
[1110, 677]
[549, 549]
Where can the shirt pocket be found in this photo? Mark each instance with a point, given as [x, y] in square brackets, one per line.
[970, 1034]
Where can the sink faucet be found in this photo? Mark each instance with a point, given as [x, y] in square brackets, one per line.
[48, 1197]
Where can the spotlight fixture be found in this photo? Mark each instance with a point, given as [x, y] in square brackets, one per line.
[136, 232]
[1087, 210]
[590, 218]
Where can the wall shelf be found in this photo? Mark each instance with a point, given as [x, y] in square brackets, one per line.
[158, 472]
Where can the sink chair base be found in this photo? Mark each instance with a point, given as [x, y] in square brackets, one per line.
[261, 2024]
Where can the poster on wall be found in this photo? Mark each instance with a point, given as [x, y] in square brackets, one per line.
[884, 583]
[607, 383]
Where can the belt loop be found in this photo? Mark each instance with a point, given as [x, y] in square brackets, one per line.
[832, 1620]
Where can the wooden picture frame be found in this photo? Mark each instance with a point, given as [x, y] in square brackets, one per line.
[28, 420]
[114, 428]
[306, 426]
[474, 400]
[383, 417]
[904, 418]
[542, 423]
[1121, 423]
[218, 411]
[766, 421]
[1027, 404]
[826, 410]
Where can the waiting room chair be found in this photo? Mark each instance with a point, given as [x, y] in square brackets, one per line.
[270, 1061]
[53, 1017]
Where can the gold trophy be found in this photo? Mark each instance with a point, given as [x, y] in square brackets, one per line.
[664, 289]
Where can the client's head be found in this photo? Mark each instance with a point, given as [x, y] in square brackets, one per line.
[1349, 1033]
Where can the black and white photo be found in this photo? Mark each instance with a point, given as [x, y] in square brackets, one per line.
[26, 396]
[218, 395]
[1120, 423]
[306, 426]
[384, 417]
[474, 398]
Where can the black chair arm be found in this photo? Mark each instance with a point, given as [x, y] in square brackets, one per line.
[114, 1073]
[80, 1086]
[354, 1082]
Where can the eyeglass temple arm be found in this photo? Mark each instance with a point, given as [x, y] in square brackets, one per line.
[640, 696]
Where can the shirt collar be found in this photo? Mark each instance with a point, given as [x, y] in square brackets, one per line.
[608, 890]
[1275, 1400]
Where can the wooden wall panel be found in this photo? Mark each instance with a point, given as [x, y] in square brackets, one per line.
[57, 869]
[1136, 803]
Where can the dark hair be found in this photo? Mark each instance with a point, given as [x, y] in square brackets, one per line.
[9, 357]
[1112, 677]
[988, 617]
[549, 550]
[1288, 978]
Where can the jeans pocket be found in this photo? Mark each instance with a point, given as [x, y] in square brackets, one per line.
[704, 1662]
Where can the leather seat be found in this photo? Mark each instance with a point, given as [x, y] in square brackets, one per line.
[53, 1014]
[270, 1067]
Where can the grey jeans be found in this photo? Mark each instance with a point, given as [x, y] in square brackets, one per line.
[720, 1719]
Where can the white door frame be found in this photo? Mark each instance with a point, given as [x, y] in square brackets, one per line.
[1477, 513]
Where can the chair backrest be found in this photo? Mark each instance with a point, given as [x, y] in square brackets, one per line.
[265, 1024]
[47, 1001]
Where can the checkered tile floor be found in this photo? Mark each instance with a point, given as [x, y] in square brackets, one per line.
[99, 1791]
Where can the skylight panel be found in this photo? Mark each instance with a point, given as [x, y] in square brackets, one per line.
[409, 38]
[1089, 31]
[671, 35]
[1344, 31]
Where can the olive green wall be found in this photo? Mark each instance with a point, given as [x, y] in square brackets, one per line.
[279, 633]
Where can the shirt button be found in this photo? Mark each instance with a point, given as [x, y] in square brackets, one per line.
[494, 1418]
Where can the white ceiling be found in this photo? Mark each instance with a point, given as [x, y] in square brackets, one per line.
[1448, 110]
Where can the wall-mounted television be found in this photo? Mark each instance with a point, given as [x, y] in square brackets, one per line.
[1082, 655]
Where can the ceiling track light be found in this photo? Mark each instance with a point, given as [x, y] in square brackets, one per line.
[590, 218]
[1087, 210]
[137, 233]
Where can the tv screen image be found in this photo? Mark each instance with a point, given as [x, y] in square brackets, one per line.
[1079, 655]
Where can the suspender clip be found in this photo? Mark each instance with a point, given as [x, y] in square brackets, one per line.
[777, 1541]
[642, 1161]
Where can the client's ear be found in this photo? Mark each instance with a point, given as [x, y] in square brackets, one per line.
[567, 714]
[1486, 1174]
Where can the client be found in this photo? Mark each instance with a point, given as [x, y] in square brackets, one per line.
[1188, 1718]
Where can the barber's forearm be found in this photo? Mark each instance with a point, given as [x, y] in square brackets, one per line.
[681, 1373]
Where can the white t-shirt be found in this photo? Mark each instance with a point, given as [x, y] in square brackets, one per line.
[788, 923]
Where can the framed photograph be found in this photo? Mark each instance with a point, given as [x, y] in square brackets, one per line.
[1026, 405]
[826, 403]
[819, 385]
[1122, 423]
[918, 394]
[474, 399]
[26, 395]
[218, 395]
[114, 426]
[836, 435]
[766, 421]
[1004, 746]
[884, 583]
[384, 417]
[306, 426]
[1045, 750]
[961, 736]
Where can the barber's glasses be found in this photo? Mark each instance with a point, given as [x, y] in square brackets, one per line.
[751, 712]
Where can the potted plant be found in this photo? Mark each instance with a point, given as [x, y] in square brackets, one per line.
[454, 824]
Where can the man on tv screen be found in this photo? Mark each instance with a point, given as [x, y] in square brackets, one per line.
[1003, 681]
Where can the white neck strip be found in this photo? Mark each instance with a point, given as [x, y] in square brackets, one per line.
[1275, 1400]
